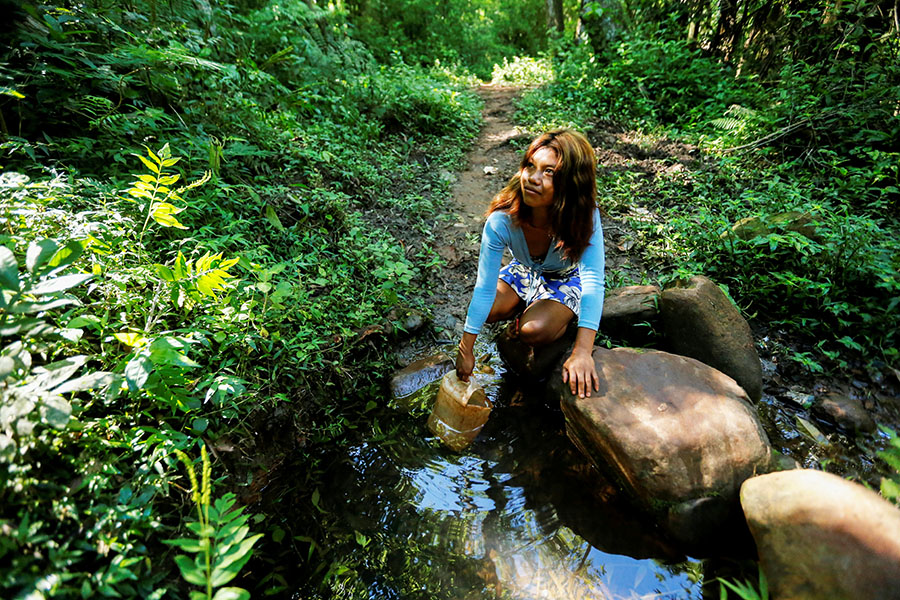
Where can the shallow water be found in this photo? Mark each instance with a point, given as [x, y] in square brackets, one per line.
[518, 514]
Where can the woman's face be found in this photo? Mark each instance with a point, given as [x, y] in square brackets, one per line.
[537, 178]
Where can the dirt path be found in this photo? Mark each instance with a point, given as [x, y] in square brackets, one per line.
[492, 160]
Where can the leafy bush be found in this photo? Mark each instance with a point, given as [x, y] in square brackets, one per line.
[523, 70]
[226, 270]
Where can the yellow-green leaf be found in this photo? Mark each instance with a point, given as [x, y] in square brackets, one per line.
[148, 163]
[129, 338]
[164, 214]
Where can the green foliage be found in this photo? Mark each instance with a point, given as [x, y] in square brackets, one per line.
[220, 544]
[819, 140]
[474, 35]
[890, 486]
[745, 590]
[523, 70]
[195, 310]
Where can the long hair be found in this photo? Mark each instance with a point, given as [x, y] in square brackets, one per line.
[574, 191]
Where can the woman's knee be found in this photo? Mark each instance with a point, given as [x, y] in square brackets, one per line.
[535, 333]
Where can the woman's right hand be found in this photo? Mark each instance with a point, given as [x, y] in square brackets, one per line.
[465, 358]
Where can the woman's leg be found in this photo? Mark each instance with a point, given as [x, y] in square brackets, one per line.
[506, 303]
[543, 322]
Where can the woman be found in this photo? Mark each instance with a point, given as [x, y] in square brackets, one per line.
[547, 216]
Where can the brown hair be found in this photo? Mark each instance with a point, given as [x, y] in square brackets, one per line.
[574, 191]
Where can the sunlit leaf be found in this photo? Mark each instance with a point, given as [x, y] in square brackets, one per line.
[59, 284]
[39, 252]
[129, 338]
[9, 270]
[164, 214]
[231, 593]
[148, 164]
[56, 411]
[137, 371]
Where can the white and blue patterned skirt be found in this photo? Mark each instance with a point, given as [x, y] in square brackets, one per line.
[562, 286]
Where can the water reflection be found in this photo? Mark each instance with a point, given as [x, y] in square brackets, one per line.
[516, 515]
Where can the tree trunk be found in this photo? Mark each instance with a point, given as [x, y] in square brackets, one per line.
[555, 15]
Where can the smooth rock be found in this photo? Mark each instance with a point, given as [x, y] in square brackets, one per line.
[673, 431]
[420, 373]
[630, 312]
[821, 537]
[529, 362]
[699, 321]
[844, 411]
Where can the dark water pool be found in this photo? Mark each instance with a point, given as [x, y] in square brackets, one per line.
[518, 514]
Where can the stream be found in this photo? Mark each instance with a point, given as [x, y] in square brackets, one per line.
[518, 514]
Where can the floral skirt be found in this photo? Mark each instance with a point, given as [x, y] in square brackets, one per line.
[562, 286]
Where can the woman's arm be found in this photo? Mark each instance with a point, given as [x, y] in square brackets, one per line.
[494, 239]
[579, 370]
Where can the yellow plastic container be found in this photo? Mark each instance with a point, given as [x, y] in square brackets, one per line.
[460, 411]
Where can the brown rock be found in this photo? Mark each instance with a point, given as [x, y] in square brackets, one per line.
[420, 373]
[628, 310]
[821, 537]
[699, 321]
[674, 431]
[844, 411]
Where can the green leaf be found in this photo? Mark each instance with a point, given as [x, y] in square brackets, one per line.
[39, 253]
[191, 572]
[164, 214]
[232, 593]
[199, 424]
[9, 270]
[164, 352]
[66, 255]
[86, 320]
[890, 488]
[227, 567]
[273, 219]
[18, 325]
[56, 411]
[59, 284]
[147, 163]
[186, 544]
[137, 371]
[33, 307]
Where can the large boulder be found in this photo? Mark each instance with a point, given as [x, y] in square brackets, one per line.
[630, 313]
[821, 537]
[679, 435]
[700, 321]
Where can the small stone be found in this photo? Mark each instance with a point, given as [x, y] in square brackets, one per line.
[420, 373]
[844, 411]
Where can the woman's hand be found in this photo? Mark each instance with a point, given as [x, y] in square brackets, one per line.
[465, 357]
[579, 370]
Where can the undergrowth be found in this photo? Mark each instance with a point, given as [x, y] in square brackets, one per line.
[185, 250]
[791, 207]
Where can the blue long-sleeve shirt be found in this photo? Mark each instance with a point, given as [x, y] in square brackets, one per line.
[499, 233]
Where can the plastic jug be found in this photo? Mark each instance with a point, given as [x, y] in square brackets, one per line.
[460, 411]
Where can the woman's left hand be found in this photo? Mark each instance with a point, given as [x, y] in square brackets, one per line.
[580, 373]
